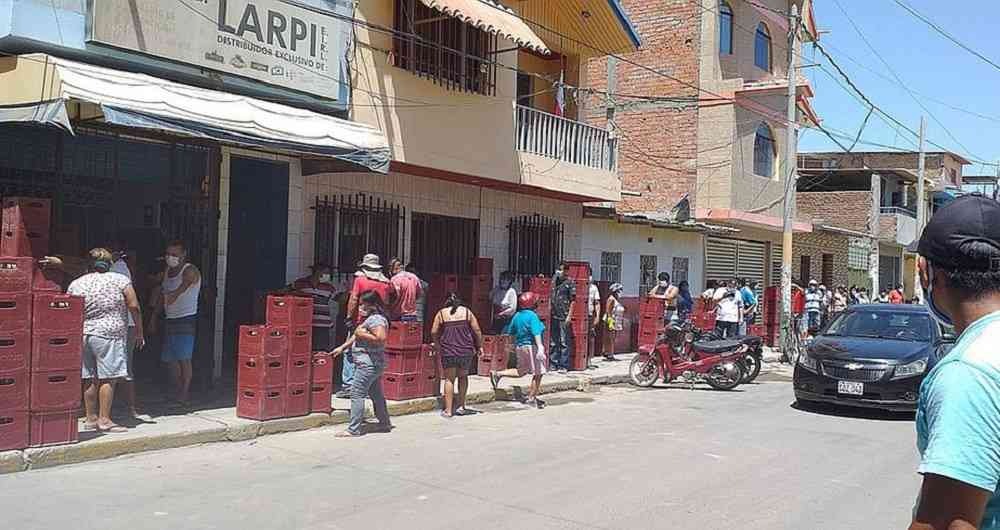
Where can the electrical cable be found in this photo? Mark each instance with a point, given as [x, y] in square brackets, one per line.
[947, 35]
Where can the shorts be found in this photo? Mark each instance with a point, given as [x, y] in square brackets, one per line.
[528, 362]
[103, 358]
[129, 354]
[177, 348]
[462, 363]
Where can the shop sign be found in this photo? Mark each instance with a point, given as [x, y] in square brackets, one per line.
[268, 40]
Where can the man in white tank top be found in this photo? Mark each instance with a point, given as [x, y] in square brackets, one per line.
[179, 299]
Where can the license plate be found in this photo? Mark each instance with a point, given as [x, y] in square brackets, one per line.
[850, 388]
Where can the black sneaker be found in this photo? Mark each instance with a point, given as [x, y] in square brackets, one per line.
[539, 403]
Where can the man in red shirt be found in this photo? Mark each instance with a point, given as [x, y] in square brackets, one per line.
[408, 289]
[368, 278]
[896, 295]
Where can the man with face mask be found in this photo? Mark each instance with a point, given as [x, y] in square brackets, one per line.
[563, 302]
[179, 299]
[318, 286]
[958, 411]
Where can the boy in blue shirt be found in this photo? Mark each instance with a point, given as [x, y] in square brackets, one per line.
[527, 330]
[958, 412]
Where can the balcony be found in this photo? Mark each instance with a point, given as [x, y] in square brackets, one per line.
[567, 156]
[897, 225]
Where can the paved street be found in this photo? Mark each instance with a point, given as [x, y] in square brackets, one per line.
[617, 457]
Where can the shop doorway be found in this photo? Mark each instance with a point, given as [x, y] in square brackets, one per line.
[258, 241]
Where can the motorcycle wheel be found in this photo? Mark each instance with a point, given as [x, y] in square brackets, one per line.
[644, 370]
[751, 366]
[726, 376]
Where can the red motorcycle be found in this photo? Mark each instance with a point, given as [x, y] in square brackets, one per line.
[720, 363]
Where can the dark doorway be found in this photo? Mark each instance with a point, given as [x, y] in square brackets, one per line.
[258, 240]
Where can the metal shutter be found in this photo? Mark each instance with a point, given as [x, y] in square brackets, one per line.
[776, 255]
[720, 259]
[751, 260]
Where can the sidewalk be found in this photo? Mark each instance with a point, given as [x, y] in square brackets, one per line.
[217, 421]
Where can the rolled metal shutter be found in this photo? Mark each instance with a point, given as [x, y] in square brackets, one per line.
[720, 259]
[776, 255]
[751, 260]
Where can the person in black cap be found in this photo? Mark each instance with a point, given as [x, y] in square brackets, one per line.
[958, 412]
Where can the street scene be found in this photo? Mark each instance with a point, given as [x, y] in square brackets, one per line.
[523, 263]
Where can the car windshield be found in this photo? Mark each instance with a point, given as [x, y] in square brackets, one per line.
[912, 327]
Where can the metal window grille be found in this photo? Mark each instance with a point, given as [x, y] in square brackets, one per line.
[826, 273]
[805, 270]
[350, 226]
[611, 267]
[680, 270]
[443, 244]
[647, 273]
[444, 49]
[858, 251]
[535, 245]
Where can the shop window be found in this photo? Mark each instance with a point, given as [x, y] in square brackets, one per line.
[762, 48]
[725, 29]
[826, 273]
[647, 273]
[443, 244]
[611, 267]
[680, 270]
[431, 44]
[763, 151]
[535, 244]
[350, 226]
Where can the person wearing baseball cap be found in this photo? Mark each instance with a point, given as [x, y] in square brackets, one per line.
[958, 411]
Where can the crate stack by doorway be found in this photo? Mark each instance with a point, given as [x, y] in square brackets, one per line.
[41, 335]
[275, 377]
[578, 272]
[542, 287]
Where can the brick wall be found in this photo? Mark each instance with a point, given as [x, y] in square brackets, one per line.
[843, 209]
[815, 245]
[658, 139]
[887, 227]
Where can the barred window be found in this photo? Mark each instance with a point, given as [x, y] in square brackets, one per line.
[535, 244]
[858, 251]
[350, 226]
[611, 267]
[680, 270]
[647, 274]
[444, 49]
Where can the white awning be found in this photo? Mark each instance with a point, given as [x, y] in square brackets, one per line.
[490, 16]
[142, 101]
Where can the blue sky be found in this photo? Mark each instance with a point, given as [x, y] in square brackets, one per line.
[926, 61]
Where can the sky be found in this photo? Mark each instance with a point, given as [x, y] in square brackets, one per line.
[929, 64]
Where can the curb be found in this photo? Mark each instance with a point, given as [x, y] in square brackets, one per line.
[46, 457]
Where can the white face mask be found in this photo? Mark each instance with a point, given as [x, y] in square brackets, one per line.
[173, 261]
[663, 284]
[325, 278]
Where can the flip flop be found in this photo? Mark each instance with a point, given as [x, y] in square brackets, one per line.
[462, 411]
[90, 426]
[112, 429]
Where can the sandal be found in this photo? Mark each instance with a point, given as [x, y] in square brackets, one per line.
[462, 411]
[112, 429]
[89, 426]
[346, 434]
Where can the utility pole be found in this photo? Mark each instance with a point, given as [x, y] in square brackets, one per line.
[921, 209]
[873, 226]
[788, 209]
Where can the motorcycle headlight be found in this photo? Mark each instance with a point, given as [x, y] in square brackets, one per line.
[910, 370]
[808, 362]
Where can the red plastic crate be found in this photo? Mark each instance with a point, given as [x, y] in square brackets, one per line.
[577, 270]
[55, 390]
[430, 361]
[300, 340]
[482, 265]
[260, 403]
[578, 361]
[404, 335]
[403, 361]
[13, 429]
[14, 386]
[322, 369]
[48, 279]
[297, 400]
[15, 350]
[647, 337]
[52, 428]
[299, 369]
[756, 330]
[475, 285]
[16, 274]
[320, 397]
[537, 284]
[288, 310]
[442, 284]
[258, 371]
[15, 312]
[271, 341]
[61, 313]
[31, 212]
[494, 361]
[649, 307]
[403, 386]
[52, 350]
[22, 241]
[431, 385]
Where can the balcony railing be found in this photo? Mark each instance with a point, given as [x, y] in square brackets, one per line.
[898, 210]
[564, 139]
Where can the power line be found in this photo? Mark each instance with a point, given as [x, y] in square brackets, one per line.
[947, 35]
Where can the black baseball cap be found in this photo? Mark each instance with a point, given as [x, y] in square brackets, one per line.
[967, 219]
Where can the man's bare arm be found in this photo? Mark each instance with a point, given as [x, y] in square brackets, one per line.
[948, 504]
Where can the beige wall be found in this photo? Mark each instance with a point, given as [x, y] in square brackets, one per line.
[740, 64]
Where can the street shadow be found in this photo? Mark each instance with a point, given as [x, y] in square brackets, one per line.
[843, 411]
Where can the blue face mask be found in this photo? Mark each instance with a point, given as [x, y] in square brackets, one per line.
[938, 315]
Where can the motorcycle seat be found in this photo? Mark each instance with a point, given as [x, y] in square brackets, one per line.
[717, 346]
[751, 340]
